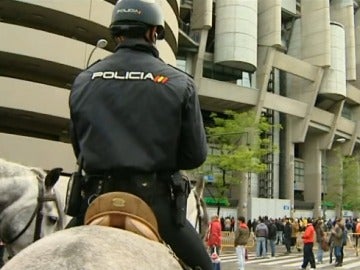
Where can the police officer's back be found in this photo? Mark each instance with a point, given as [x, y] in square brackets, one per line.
[133, 115]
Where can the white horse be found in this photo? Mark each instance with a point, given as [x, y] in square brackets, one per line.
[196, 211]
[94, 247]
[29, 206]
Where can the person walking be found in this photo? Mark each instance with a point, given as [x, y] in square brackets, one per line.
[242, 235]
[320, 237]
[261, 234]
[308, 239]
[337, 234]
[344, 242]
[295, 230]
[135, 123]
[287, 235]
[214, 235]
[279, 231]
[331, 248]
[357, 232]
[272, 236]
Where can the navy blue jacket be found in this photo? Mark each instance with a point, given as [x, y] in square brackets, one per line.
[132, 111]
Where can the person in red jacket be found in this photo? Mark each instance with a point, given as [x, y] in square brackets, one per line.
[214, 235]
[308, 239]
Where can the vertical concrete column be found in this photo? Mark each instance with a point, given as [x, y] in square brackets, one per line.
[312, 174]
[288, 183]
[242, 195]
[334, 161]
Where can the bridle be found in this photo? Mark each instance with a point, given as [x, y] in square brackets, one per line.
[200, 203]
[198, 210]
[37, 213]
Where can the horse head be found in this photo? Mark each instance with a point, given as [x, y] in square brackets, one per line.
[52, 210]
[196, 208]
[30, 207]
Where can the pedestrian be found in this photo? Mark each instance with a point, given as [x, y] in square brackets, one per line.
[320, 237]
[249, 224]
[308, 239]
[222, 221]
[337, 233]
[214, 235]
[295, 230]
[331, 247]
[254, 224]
[135, 123]
[287, 235]
[242, 235]
[2, 251]
[357, 232]
[279, 231]
[232, 228]
[344, 242]
[272, 236]
[261, 234]
[227, 224]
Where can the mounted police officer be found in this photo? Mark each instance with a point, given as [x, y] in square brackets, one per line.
[135, 122]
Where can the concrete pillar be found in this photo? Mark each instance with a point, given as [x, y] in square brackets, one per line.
[288, 183]
[334, 161]
[312, 174]
[243, 196]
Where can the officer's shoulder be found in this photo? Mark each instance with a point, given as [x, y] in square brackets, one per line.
[181, 71]
[97, 61]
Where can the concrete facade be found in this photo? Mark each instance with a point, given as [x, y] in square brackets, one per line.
[285, 50]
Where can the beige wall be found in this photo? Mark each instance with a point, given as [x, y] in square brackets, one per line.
[69, 53]
[37, 152]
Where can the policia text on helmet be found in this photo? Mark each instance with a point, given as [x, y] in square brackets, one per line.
[137, 19]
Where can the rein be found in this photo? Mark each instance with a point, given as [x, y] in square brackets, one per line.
[198, 217]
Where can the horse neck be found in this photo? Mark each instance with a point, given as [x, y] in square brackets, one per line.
[17, 190]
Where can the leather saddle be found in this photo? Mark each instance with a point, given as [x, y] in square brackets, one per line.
[125, 211]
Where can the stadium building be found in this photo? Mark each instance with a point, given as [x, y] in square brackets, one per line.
[296, 62]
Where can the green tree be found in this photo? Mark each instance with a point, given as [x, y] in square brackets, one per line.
[238, 143]
[344, 183]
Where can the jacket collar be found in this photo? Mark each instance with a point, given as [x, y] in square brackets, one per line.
[138, 45]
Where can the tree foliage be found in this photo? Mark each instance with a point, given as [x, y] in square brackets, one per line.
[238, 143]
[344, 183]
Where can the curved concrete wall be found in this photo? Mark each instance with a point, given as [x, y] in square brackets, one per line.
[236, 34]
[315, 31]
[59, 35]
[57, 48]
[202, 14]
[34, 97]
[334, 81]
[357, 47]
[269, 17]
[342, 11]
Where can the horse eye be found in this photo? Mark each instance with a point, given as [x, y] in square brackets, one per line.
[52, 219]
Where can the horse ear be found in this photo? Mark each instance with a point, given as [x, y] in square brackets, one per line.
[52, 177]
[200, 186]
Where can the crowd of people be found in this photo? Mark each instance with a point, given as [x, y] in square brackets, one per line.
[296, 234]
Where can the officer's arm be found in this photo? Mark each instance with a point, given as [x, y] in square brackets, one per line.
[193, 146]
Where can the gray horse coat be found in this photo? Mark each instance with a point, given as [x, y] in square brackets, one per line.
[92, 248]
[22, 200]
